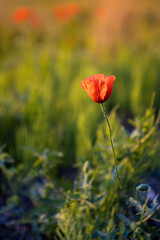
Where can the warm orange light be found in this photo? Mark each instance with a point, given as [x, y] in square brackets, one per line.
[65, 12]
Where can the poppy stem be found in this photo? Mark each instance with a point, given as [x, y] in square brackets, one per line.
[110, 135]
[145, 204]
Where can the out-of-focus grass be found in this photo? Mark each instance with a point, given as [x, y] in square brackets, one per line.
[41, 101]
[48, 122]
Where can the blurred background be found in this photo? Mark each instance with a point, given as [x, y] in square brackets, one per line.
[48, 47]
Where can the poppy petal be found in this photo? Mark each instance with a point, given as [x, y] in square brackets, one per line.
[98, 87]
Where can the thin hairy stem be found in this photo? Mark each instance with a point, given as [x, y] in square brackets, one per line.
[110, 136]
[149, 192]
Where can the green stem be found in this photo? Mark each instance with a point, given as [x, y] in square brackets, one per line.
[149, 192]
[110, 135]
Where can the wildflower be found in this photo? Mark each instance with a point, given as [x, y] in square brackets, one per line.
[98, 87]
[65, 12]
[22, 14]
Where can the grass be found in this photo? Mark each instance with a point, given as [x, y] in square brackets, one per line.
[49, 125]
[40, 88]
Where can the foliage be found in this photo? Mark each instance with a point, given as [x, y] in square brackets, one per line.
[52, 134]
[40, 79]
[95, 208]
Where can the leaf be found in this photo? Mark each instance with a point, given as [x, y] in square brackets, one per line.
[136, 204]
[100, 198]
[155, 219]
[125, 220]
[89, 203]
[85, 167]
[38, 161]
[155, 201]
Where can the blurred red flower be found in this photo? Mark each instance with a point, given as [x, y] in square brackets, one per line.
[98, 87]
[22, 14]
[65, 12]
[25, 14]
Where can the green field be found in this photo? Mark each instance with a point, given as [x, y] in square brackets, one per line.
[57, 178]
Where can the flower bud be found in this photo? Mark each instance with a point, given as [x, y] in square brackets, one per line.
[142, 187]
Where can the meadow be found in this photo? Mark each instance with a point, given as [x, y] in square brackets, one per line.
[57, 175]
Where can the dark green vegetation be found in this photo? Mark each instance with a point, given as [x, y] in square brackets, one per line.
[94, 208]
[57, 179]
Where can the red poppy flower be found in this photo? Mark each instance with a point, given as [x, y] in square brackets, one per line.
[65, 12]
[22, 14]
[98, 87]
